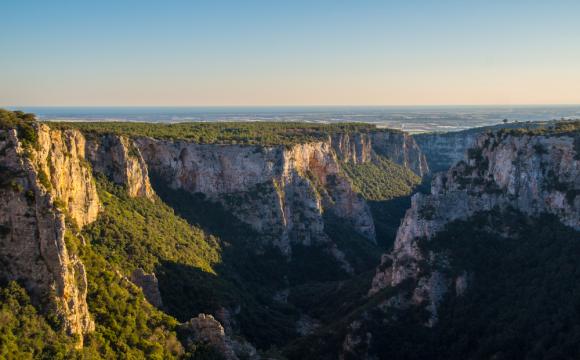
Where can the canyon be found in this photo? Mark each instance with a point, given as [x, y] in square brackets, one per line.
[295, 198]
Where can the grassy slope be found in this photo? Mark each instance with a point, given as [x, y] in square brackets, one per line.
[198, 272]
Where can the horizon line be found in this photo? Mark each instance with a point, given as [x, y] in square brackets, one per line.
[286, 106]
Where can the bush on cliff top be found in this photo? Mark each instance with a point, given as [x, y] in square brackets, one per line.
[22, 122]
[564, 127]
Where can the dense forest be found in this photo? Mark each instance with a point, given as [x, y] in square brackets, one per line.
[381, 179]
[244, 133]
[522, 302]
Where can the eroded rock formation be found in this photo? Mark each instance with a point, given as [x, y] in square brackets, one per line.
[532, 174]
[281, 192]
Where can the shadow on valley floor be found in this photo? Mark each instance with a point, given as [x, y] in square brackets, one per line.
[265, 292]
[187, 291]
[388, 214]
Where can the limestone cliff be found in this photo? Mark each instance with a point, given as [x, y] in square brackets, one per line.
[444, 149]
[402, 149]
[43, 185]
[399, 147]
[280, 191]
[120, 160]
[32, 241]
[532, 174]
[60, 160]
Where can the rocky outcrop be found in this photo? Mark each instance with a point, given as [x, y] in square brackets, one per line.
[207, 330]
[149, 285]
[532, 174]
[120, 160]
[283, 191]
[32, 222]
[61, 165]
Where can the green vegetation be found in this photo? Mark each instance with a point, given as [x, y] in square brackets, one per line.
[24, 333]
[563, 127]
[522, 301]
[22, 122]
[130, 233]
[246, 133]
[360, 253]
[127, 326]
[138, 232]
[381, 179]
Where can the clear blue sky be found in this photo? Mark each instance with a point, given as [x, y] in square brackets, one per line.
[217, 52]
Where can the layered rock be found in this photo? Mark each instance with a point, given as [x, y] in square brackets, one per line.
[402, 149]
[442, 150]
[32, 241]
[532, 174]
[283, 191]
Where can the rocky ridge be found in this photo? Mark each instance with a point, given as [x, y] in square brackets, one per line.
[532, 174]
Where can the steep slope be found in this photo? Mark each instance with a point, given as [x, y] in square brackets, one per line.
[511, 183]
[534, 174]
[282, 192]
[87, 237]
[40, 186]
[482, 267]
[48, 194]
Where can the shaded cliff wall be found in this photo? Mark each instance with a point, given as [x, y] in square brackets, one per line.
[280, 191]
[532, 174]
[442, 150]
